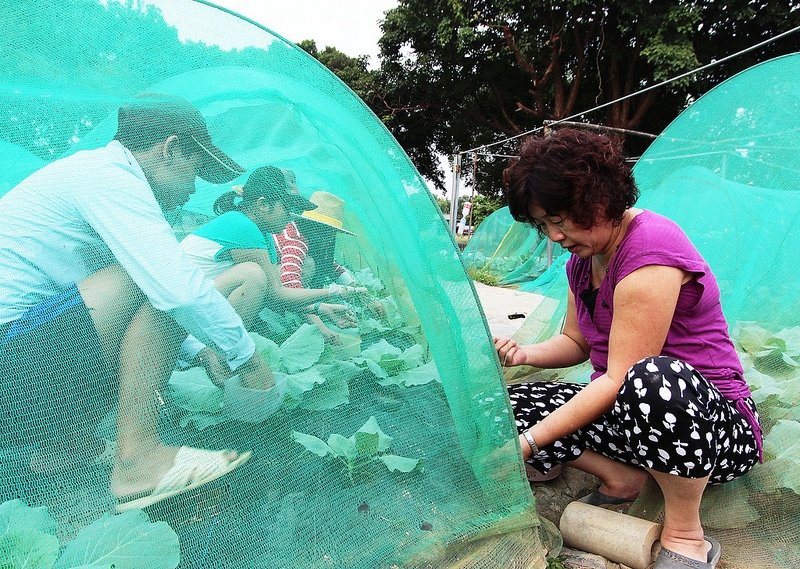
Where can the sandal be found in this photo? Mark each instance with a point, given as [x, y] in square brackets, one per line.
[536, 476]
[668, 559]
[191, 469]
[598, 498]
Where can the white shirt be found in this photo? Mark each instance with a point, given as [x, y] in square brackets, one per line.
[203, 252]
[91, 209]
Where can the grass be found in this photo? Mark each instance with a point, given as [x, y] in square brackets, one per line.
[484, 276]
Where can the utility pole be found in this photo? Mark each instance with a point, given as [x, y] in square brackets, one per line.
[454, 196]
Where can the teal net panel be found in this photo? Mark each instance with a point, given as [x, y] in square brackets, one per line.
[726, 170]
[388, 439]
[508, 251]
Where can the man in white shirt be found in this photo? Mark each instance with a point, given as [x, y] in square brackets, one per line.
[96, 296]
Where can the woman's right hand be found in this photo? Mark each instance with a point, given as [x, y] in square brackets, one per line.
[341, 315]
[510, 352]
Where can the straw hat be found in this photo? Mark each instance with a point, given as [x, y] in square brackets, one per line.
[329, 211]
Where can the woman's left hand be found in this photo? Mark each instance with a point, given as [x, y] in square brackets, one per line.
[340, 314]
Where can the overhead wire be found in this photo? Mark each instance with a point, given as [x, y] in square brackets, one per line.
[639, 92]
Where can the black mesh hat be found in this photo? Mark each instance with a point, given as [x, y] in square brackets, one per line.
[153, 117]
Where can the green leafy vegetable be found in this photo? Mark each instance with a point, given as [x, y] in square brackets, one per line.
[399, 463]
[329, 395]
[193, 391]
[28, 548]
[269, 350]
[299, 383]
[302, 349]
[421, 375]
[16, 514]
[782, 444]
[312, 443]
[126, 541]
[365, 446]
[380, 350]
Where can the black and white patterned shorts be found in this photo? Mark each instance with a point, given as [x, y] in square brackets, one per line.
[666, 417]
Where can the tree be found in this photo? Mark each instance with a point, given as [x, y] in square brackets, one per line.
[353, 71]
[482, 207]
[458, 73]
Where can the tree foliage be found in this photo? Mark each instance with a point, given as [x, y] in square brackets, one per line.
[458, 73]
[86, 55]
[353, 71]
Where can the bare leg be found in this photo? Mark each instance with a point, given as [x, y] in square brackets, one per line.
[616, 478]
[142, 343]
[245, 286]
[682, 532]
[111, 299]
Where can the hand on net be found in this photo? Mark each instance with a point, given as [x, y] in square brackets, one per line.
[510, 352]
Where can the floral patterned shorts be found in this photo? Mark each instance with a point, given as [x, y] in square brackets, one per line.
[666, 417]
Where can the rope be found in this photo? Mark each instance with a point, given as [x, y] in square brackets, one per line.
[646, 89]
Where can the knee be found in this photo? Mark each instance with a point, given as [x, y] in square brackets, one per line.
[253, 276]
[114, 285]
[652, 374]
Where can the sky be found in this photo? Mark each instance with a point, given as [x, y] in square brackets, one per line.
[351, 26]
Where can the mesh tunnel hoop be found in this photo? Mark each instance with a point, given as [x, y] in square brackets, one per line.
[726, 171]
[391, 441]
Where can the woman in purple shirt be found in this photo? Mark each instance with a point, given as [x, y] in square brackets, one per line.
[667, 395]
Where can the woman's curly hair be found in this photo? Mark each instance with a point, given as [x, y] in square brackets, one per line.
[572, 173]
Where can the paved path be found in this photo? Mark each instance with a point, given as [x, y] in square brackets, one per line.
[499, 302]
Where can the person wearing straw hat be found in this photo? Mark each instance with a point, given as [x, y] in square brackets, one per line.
[236, 249]
[317, 229]
[96, 297]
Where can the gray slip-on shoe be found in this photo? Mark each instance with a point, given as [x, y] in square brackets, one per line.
[668, 559]
[598, 498]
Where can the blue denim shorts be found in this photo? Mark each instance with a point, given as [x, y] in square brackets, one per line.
[53, 375]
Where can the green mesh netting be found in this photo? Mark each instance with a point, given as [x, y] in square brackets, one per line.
[393, 444]
[726, 170]
[509, 251]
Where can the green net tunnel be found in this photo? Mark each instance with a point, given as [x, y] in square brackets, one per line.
[510, 251]
[391, 442]
[726, 170]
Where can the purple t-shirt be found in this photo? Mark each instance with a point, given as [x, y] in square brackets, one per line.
[698, 334]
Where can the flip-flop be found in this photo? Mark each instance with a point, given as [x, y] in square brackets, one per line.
[192, 468]
[668, 559]
[598, 498]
